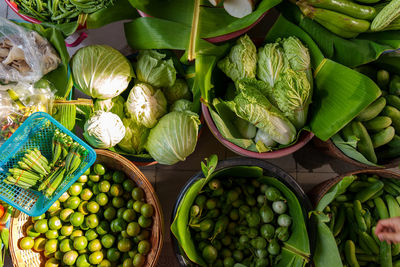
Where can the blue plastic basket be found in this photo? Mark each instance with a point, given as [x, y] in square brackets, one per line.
[36, 132]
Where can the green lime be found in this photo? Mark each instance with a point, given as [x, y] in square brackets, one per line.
[87, 172]
[124, 234]
[127, 195]
[107, 240]
[39, 244]
[118, 177]
[66, 230]
[92, 221]
[103, 228]
[58, 255]
[116, 190]
[80, 242]
[110, 213]
[91, 234]
[86, 194]
[55, 223]
[64, 197]
[138, 260]
[65, 214]
[93, 207]
[96, 189]
[83, 251]
[77, 219]
[127, 263]
[124, 245]
[128, 185]
[129, 205]
[137, 205]
[70, 257]
[121, 211]
[37, 218]
[94, 178]
[84, 226]
[104, 263]
[72, 202]
[147, 210]
[129, 215]
[137, 193]
[26, 243]
[52, 262]
[210, 254]
[30, 231]
[51, 246]
[66, 245]
[144, 234]
[82, 261]
[55, 207]
[75, 189]
[41, 226]
[144, 222]
[52, 234]
[118, 225]
[99, 169]
[104, 186]
[96, 257]
[144, 247]
[90, 184]
[118, 202]
[76, 233]
[94, 245]
[82, 208]
[107, 176]
[113, 254]
[133, 229]
[102, 199]
[83, 178]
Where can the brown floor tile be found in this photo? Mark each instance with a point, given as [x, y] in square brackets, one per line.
[308, 180]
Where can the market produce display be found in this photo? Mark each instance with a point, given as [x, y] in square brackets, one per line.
[267, 103]
[373, 136]
[362, 201]
[101, 220]
[348, 18]
[5, 215]
[137, 123]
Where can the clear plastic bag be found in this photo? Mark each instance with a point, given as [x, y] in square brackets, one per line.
[17, 102]
[25, 56]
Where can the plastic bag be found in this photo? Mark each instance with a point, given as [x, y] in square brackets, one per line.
[17, 102]
[25, 56]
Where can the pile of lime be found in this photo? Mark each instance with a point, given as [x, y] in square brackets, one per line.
[239, 220]
[101, 220]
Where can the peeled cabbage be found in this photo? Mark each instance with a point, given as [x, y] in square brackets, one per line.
[104, 129]
[146, 105]
[181, 105]
[101, 71]
[153, 69]
[179, 90]
[135, 137]
[174, 137]
[114, 105]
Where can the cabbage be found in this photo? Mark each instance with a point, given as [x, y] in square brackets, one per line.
[246, 129]
[265, 138]
[271, 62]
[153, 69]
[135, 137]
[114, 105]
[146, 105]
[104, 129]
[179, 90]
[174, 137]
[181, 105]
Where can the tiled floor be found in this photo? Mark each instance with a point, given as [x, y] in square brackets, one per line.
[308, 166]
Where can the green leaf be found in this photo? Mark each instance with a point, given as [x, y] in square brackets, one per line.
[5, 234]
[390, 62]
[365, 48]
[349, 149]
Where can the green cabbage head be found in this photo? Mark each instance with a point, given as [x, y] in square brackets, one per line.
[153, 69]
[174, 137]
[179, 90]
[135, 137]
[114, 105]
[104, 129]
[181, 105]
[101, 71]
[146, 105]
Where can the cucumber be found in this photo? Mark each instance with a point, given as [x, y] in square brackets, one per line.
[350, 252]
[372, 110]
[394, 86]
[385, 255]
[389, 13]
[395, 141]
[369, 192]
[383, 79]
[358, 216]
[393, 100]
[370, 242]
[364, 145]
[394, 114]
[383, 137]
[381, 208]
[378, 123]
[345, 7]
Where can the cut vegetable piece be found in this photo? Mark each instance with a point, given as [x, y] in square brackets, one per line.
[239, 8]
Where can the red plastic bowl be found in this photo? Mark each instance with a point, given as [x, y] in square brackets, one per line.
[15, 8]
[304, 138]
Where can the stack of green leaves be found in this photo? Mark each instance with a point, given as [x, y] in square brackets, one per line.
[373, 137]
[352, 208]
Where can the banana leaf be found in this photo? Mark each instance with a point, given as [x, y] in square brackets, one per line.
[365, 48]
[390, 62]
[296, 250]
[327, 252]
[59, 77]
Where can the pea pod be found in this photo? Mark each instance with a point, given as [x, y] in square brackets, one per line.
[364, 145]
[383, 137]
[358, 215]
[378, 123]
[350, 252]
[372, 110]
[368, 192]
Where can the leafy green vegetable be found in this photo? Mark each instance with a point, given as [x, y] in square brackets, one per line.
[101, 71]
[271, 62]
[241, 61]
[246, 129]
[114, 105]
[146, 105]
[174, 137]
[179, 90]
[250, 104]
[135, 137]
[182, 105]
[153, 69]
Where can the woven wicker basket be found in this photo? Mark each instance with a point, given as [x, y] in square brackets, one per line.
[20, 221]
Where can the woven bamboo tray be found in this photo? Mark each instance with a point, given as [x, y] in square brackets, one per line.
[20, 221]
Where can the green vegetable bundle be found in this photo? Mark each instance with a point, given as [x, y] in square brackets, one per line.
[354, 206]
[373, 136]
[237, 215]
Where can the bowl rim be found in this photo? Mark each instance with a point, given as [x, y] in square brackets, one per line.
[304, 138]
[15, 8]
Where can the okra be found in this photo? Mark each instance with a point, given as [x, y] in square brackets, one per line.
[378, 123]
[372, 110]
